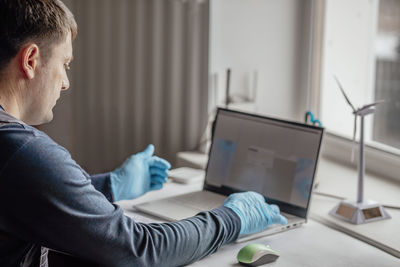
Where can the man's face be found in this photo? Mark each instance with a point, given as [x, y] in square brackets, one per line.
[51, 79]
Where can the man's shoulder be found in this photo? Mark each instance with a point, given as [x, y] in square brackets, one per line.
[13, 129]
[14, 136]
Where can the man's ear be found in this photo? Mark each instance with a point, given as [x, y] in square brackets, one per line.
[29, 60]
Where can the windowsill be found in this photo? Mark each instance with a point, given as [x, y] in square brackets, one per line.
[380, 162]
[340, 179]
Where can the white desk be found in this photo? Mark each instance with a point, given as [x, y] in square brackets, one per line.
[310, 245]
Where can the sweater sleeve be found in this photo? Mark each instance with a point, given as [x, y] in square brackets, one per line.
[47, 199]
[102, 183]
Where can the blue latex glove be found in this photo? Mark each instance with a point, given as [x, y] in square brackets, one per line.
[139, 174]
[254, 213]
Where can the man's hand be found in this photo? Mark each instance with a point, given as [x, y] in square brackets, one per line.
[139, 174]
[254, 213]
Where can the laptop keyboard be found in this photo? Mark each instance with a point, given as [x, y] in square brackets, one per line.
[202, 200]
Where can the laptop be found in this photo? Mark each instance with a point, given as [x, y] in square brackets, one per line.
[274, 157]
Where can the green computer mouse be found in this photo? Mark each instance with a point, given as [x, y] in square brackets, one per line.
[256, 254]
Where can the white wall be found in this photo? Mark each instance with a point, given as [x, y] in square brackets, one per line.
[267, 36]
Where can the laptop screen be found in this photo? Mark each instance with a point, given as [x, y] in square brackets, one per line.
[273, 157]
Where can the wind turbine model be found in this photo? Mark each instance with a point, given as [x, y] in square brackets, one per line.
[360, 211]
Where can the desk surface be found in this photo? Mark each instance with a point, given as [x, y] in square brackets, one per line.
[310, 245]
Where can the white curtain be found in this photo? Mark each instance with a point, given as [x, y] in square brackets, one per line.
[139, 76]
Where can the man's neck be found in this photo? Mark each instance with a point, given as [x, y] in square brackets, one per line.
[8, 101]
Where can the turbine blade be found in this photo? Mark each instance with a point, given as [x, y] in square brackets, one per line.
[372, 104]
[344, 94]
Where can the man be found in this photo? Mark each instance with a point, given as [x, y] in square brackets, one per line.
[48, 201]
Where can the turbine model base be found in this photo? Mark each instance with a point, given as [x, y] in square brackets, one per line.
[359, 213]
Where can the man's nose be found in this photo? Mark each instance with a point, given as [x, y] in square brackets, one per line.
[65, 84]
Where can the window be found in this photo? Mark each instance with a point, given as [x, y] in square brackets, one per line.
[348, 54]
[386, 128]
[361, 46]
